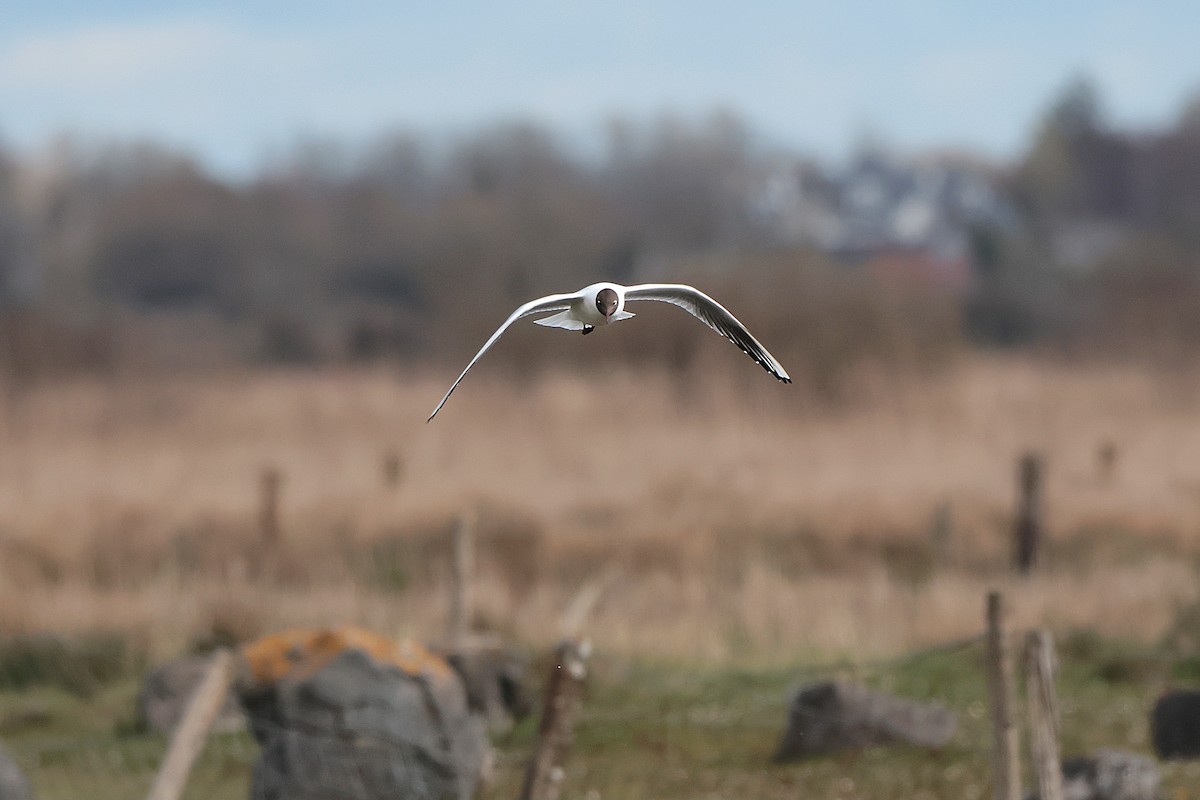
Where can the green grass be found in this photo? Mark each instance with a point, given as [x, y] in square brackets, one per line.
[78, 664]
[652, 730]
[669, 731]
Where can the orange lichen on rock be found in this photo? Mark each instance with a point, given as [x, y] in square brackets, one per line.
[302, 651]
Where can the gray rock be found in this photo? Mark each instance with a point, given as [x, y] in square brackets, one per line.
[13, 784]
[495, 677]
[1175, 725]
[359, 729]
[834, 715]
[1109, 775]
[165, 693]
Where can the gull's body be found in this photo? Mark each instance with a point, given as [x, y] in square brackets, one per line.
[604, 303]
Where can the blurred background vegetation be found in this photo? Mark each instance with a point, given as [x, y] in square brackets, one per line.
[125, 257]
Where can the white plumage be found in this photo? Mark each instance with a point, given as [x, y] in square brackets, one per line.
[604, 303]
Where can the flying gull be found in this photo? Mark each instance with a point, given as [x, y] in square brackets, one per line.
[604, 303]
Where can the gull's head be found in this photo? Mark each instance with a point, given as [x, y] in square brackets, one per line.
[606, 303]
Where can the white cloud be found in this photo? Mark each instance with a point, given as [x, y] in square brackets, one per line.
[114, 58]
[233, 86]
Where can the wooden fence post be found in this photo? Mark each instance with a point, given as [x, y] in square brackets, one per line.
[393, 468]
[1027, 528]
[1043, 714]
[564, 694]
[1106, 461]
[188, 739]
[270, 482]
[462, 578]
[941, 531]
[1006, 764]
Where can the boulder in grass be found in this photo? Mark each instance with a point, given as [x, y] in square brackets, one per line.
[1109, 775]
[346, 714]
[165, 693]
[13, 784]
[495, 677]
[1175, 725]
[830, 716]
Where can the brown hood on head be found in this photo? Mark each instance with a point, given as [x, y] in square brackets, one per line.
[606, 302]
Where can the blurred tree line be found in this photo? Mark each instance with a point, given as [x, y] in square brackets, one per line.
[131, 254]
[1107, 259]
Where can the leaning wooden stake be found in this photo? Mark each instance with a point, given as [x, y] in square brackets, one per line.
[1043, 714]
[462, 600]
[1006, 765]
[564, 694]
[188, 739]
[580, 606]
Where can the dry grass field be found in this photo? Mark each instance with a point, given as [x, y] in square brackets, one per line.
[734, 519]
[746, 535]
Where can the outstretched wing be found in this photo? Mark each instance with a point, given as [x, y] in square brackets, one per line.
[554, 302]
[712, 314]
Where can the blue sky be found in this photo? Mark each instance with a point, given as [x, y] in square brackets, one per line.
[235, 82]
